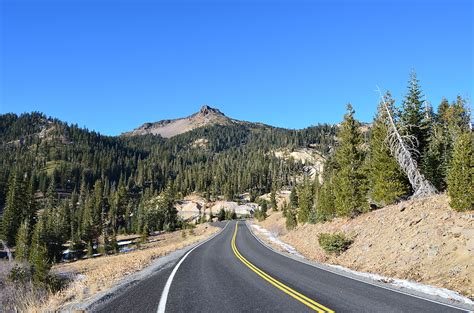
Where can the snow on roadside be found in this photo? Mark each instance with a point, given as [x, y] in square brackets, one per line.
[426, 289]
[277, 241]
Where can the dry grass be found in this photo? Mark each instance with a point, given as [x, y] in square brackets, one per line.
[423, 240]
[98, 274]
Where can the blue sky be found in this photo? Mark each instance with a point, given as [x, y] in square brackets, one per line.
[112, 65]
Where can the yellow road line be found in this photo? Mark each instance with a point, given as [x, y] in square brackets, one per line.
[298, 296]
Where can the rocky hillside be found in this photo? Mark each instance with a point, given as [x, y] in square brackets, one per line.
[168, 128]
[423, 240]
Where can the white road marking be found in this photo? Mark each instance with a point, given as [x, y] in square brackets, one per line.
[166, 290]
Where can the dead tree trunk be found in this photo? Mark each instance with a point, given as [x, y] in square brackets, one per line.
[9, 253]
[402, 148]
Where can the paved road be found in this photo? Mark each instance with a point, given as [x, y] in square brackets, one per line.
[233, 272]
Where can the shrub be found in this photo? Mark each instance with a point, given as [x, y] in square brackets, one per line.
[334, 243]
[260, 215]
[291, 221]
[221, 215]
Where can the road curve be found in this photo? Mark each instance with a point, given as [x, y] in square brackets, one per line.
[233, 272]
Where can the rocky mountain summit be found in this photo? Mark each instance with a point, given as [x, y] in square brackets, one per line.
[169, 128]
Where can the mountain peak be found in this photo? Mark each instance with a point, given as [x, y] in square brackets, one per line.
[169, 128]
[205, 110]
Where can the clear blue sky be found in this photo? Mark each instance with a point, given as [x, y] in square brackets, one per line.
[112, 65]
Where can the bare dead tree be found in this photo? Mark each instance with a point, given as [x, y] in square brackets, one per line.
[9, 253]
[403, 148]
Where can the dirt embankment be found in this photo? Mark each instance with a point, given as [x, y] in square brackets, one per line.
[423, 240]
[95, 275]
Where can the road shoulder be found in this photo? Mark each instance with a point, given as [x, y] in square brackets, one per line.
[362, 277]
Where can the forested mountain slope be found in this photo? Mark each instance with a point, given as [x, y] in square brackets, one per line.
[217, 159]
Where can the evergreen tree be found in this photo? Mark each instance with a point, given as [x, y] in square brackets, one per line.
[88, 229]
[264, 206]
[348, 181]
[273, 201]
[15, 203]
[290, 215]
[39, 255]
[29, 213]
[450, 122]
[305, 201]
[325, 207]
[461, 174]
[221, 215]
[294, 197]
[23, 242]
[387, 183]
[413, 116]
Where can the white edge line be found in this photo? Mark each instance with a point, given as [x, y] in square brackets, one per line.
[166, 289]
[347, 276]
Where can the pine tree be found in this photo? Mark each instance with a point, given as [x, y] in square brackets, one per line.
[461, 174]
[348, 181]
[305, 201]
[294, 198]
[15, 203]
[39, 255]
[325, 207]
[273, 201]
[87, 226]
[450, 122]
[31, 207]
[413, 115]
[387, 183]
[291, 220]
[221, 215]
[23, 242]
[264, 206]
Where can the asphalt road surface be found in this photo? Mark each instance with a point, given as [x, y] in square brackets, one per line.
[233, 272]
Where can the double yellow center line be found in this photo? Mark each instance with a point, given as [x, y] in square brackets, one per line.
[298, 296]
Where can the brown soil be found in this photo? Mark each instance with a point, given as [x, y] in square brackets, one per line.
[419, 240]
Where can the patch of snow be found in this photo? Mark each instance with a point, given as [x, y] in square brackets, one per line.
[80, 277]
[427, 289]
[124, 243]
[277, 241]
[123, 250]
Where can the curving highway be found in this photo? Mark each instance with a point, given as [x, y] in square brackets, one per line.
[234, 272]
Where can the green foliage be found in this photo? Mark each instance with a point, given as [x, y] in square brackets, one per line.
[349, 181]
[273, 201]
[334, 243]
[39, 260]
[413, 117]
[19, 274]
[23, 242]
[15, 203]
[260, 214]
[305, 201]
[448, 124]
[221, 215]
[325, 207]
[264, 206]
[387, 183]
[461, 174]
[294, 197]
[160, 211]
[290, 215]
